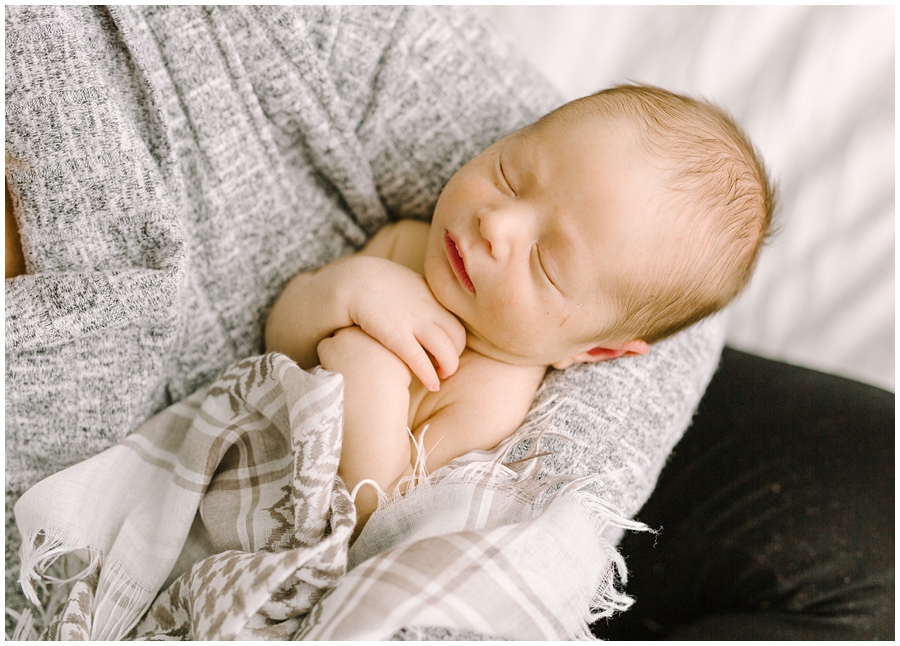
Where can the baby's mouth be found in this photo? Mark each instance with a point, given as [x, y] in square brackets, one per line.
[456, 261]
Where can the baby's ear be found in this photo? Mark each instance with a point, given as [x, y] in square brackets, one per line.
[605, 353]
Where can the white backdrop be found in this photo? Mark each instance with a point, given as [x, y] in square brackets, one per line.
[814, 88]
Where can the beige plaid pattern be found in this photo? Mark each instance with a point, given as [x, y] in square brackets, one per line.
[528, 580]
[223, 518]
[256, 455]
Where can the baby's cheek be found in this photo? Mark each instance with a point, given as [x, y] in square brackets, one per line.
[509, 302]
[522, 329]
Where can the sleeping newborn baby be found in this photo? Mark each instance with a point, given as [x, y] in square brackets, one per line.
[607, 225]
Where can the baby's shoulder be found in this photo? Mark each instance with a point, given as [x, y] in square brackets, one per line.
[479, 371]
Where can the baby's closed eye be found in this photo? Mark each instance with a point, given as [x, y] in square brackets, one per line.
[503, 175]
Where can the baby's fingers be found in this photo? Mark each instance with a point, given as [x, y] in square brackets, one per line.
[456, 333]
[442, 347]
[414, 356]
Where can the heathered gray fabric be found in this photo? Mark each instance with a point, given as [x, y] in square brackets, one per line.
[173, 167]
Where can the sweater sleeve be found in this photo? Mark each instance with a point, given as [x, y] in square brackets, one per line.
[89, 326]
[135, 208]
[172, 167]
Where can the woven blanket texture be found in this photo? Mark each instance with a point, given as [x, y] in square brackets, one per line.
[229, 503]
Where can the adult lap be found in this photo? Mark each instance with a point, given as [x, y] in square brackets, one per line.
[775, 514]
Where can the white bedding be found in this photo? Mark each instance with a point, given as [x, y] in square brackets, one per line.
[814, 88]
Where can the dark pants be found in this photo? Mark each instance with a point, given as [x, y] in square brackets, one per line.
[775, 515]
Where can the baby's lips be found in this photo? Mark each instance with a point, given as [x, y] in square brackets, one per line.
[457, 262]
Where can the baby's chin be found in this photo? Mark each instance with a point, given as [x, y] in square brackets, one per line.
[497, 351]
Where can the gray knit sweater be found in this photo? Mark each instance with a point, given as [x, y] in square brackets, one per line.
[173, 167]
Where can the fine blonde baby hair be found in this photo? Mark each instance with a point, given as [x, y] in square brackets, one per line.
[717, 188]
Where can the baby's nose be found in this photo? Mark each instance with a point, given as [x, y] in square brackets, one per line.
[501, 228]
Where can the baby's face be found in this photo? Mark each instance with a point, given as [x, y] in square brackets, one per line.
[529, 238]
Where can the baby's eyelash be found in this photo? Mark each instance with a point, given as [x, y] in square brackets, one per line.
[503, 174]
[537, 250]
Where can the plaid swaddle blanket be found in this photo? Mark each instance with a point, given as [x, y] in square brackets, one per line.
[223, 517]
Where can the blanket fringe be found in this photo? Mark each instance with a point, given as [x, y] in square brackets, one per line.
[521, 478]
[47, 561]
[418, 476]
[25, 629]
[40, 551]
[505, 467]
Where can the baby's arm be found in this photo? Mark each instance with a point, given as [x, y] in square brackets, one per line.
[389, 301]
[478, 407]
[376, 444]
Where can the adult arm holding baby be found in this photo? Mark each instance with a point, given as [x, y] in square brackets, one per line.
[152, 275]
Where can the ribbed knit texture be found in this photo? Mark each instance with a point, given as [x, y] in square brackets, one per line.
[173, 167]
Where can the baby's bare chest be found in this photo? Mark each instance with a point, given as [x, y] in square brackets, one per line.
[479, 383]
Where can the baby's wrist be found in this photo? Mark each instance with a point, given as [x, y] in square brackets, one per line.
[351, 284]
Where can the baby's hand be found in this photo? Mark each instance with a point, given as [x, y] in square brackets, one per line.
[394, 305]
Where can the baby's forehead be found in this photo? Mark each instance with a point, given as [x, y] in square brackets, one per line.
[622, 135]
